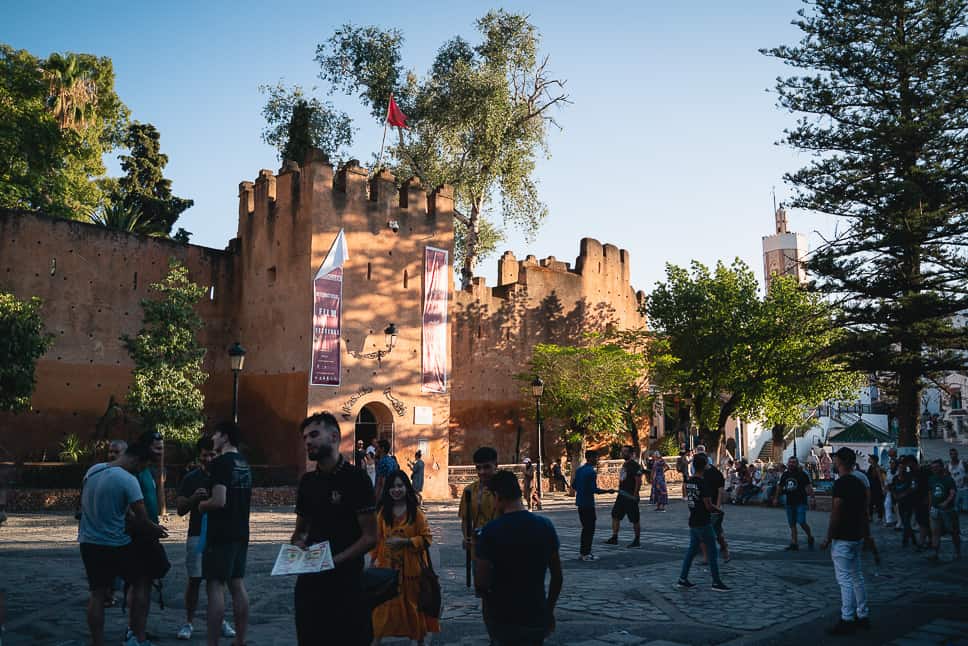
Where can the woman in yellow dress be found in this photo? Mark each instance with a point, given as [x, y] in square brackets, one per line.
[402, 541]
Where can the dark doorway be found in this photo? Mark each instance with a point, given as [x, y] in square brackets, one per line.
[367, 426]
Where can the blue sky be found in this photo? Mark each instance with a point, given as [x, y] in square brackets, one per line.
[668, 149]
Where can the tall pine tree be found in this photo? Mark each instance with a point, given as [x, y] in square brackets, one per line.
[884, 99]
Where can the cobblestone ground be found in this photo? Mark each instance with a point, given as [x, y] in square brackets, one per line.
[627, 597]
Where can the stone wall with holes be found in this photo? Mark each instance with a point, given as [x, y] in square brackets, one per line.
[91, 281]
[495, 329]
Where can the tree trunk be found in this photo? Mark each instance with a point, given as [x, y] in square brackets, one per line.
[160, 485]
[471, 245]
[777, 435]
[908, 411]
[633, 430]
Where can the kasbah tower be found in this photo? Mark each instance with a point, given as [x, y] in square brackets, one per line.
[260, 293]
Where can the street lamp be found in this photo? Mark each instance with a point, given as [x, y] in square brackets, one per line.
[390, 342]
[237, 359]
[537, 389]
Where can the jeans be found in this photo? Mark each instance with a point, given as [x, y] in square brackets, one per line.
[847, 568]
[704, 535]
[889, 509]
[587, 517]
[905, 511]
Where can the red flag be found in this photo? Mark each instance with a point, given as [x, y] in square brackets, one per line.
[395, 116]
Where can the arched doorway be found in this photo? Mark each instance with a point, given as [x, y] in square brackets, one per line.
[374, 421]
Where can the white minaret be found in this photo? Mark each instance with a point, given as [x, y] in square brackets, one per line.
[784, 252]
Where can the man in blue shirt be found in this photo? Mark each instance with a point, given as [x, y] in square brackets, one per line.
[514, 553]
[586, 486]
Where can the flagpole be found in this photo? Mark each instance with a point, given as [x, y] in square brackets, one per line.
[386, 122]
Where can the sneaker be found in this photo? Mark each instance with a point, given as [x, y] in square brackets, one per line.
[227, 630]
[721, 587]
[792, 547]
[634, 543]
[184, 633]
[588, 557]
[129, 635]
[612, 541]
[133, 641]
[863, 622]
[685, 584]
[842, 628]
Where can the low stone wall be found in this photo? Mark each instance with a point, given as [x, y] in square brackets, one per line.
[608, 475]
[67, 499]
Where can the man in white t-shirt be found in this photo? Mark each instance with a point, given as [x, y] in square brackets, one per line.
[109, 492]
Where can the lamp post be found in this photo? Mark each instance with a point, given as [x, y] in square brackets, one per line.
[537, 389]
[390, 339]
[237, 359]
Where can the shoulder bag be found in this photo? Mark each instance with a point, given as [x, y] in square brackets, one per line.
[428, 600]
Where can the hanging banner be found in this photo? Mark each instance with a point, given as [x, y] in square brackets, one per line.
[327, 311]
[436, 283]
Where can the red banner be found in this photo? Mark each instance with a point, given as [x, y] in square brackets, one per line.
[327, 303]
[436, 284]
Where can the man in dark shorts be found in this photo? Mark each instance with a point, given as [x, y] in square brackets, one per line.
[334, 503]
[627, 501]
[227, 539]
[109, 492]
[795, 485]
[514, 553]
[195, 487]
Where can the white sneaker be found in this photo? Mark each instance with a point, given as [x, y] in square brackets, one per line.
[184, 633]
[589, 557]
[133, 641]
[227, 630]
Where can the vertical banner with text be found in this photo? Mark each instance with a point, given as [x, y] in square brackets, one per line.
[436, 285]
[327, 312]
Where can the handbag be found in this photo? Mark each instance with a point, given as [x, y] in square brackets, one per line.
[428, 599]
[380, 584]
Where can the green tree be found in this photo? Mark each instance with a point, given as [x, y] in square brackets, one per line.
[22, 342]
[60, 116]
[586, 389]
[143, 188]
[733, 353]
[121, 217]
[168, 375]
[296, 122]
[884, 99]
[477, 121]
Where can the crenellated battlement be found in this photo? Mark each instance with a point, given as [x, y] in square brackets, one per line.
[595, 262]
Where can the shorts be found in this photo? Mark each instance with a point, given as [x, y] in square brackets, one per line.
[329, 609]
[193, 558]
[224, 561]
[944, 520]
[105, 563]
[150, 561]
[796, 514]
[717, 523]
[626, 507]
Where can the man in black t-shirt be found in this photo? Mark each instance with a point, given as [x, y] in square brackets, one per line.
[227, 537]
[845, 537]
[627, 502]
[335, 503]
[796, 486]
[514, 553]
[717, 484]
[699, 499]
[195, 487]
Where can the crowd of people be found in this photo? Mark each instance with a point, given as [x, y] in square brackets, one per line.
[371, 513]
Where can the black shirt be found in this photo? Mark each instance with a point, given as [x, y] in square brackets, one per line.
[714, 478]
[330, 503]
[628, 484]
[698, 488]
[853, 514]
[359, 458]
[230, 524]
[519, 545]
[794, 485]
[197, 478]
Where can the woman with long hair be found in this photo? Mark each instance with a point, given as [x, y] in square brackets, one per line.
[403, 538]
[660, 493]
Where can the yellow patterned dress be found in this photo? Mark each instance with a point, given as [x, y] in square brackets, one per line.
[399, 617]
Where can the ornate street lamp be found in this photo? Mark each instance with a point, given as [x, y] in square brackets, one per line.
[237, 360]
[537, 389]
[390, 342]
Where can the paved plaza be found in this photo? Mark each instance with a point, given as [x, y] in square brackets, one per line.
[627, 597]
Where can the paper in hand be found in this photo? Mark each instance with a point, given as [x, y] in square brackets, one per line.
[294, 560]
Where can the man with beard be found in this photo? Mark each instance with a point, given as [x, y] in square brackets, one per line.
[627, 502]
[795, 485]
[334, 503]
